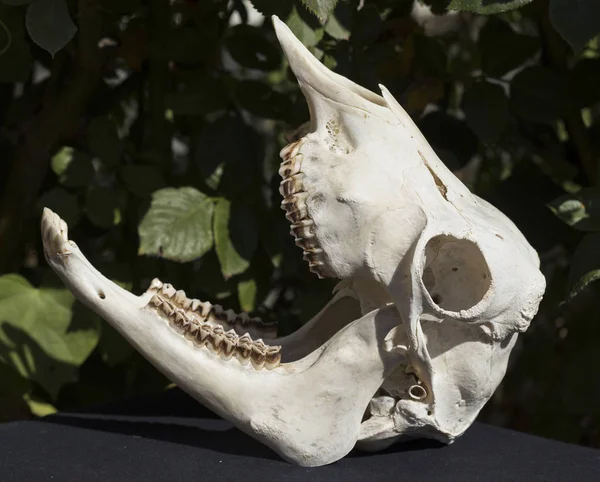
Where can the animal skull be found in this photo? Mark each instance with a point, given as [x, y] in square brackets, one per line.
[435, 286]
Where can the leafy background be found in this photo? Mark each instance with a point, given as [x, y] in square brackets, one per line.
[153, 129]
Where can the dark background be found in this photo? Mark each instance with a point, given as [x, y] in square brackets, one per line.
[106, 103]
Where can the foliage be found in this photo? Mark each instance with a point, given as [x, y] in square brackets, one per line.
[153, 129]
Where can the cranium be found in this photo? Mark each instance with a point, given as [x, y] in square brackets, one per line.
[436, 284]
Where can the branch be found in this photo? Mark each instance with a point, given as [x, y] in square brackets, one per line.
[57, 119]
[558, 59]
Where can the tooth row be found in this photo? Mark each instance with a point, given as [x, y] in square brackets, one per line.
[294, 205]
[226, 344]
[206, 312]
[291, 150]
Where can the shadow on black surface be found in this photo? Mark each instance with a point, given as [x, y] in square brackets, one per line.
[185, 421]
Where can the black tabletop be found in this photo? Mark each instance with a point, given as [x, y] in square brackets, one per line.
[170, 437]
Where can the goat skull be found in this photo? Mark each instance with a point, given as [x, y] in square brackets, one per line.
[435, 286]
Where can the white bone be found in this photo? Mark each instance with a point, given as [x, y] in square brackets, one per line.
[436, 285]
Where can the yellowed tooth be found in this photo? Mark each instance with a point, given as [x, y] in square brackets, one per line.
[216, 337]
[291, 185]
[156, 301]
[168, 290]
[167, 308]
[155, 285]
[181, 299]
[291, 166]
[203, 334]
[272, 357]
[180, 320]
[229, 345]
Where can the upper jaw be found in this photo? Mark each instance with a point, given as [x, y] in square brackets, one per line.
[295, 196]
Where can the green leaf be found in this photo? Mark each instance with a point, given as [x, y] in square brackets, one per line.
[103, 207]
[580, 210]
[63, 203]
[486, 7]
[537, 94]
[486, 108]
[49, 24]
[178, 225]
[321, 8]
[38, 325]
[503, 49]
[15, 55]
[142, 180]
[247, 294]
[73, 167]
[281, 8]
[576, 20]
[304, 26]
[250, 48]
[585, 264]
[236, 237]
[104, 142]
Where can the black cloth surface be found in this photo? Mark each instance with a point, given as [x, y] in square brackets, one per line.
[170, 437]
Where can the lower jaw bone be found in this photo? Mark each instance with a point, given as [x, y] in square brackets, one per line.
[309, 410]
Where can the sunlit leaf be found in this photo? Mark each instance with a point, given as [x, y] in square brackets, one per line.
[580, 210]
[39, 327]
[321, 8]
[486, 7]
[236, 237]
[305, 26]
[247, 294]
[178, 225]
[49, 24]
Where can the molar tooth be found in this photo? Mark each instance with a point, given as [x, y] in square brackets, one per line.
[202, 334]
[312, 255]
[155, 285]
[167, 308]
[202, 309]
[216, 337]
[231, 315]
[297, 213]
[229, 345]
[156, 301]
[273, 357]
[291, 185]
[180, 320]
[291, 149]
[293, 201]
[303, 229]
[168, 290]
[291, 166]
[181, 299]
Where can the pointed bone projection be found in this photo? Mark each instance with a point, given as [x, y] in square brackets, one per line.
[436, 284]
